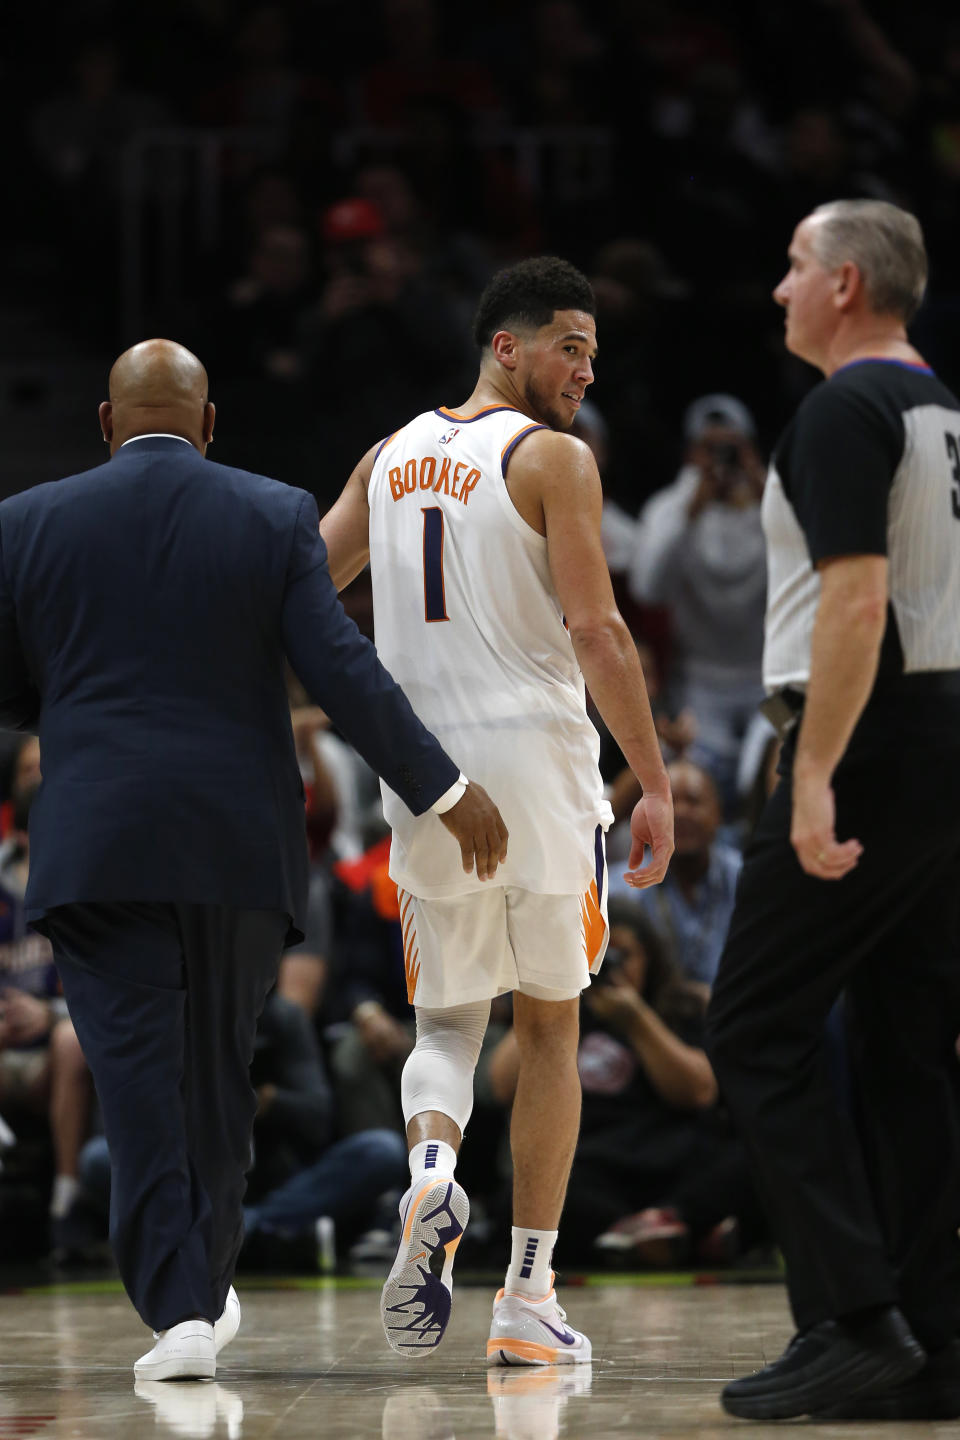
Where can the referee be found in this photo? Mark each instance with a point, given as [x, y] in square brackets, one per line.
[851, 883]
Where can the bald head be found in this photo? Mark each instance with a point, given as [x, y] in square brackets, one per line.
[157, 387]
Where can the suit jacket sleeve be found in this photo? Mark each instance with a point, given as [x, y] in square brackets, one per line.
[19, 697]
[341, 671]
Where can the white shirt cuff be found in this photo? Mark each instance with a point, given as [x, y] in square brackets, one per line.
[450, 797]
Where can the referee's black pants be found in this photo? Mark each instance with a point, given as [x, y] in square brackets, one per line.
[865, 1211]
[165, 1001]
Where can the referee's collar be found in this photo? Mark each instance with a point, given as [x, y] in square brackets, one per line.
[917, 365]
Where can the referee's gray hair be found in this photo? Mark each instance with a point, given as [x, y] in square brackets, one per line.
[884, 242]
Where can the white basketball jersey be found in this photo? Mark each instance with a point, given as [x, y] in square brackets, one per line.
[468, 622]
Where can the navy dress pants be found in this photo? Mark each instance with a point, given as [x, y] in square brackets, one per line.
[165, 1000]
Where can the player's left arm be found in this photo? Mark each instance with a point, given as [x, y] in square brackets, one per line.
[847, 637]
[562, 474]
[346, 525]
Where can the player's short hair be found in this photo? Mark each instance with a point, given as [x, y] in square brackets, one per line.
[526, 296]
[884, 242]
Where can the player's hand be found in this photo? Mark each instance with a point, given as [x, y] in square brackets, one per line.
[651, 824]
[813, 831]
[477, 826]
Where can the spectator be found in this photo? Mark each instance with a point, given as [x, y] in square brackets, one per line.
[343, 793]
[818, 163]
[256, 333]
[618, 529]
[267, 87]
[566, 76]
[78, 137]
[419, 65]
[42, 1069]
[79, 133]
[370, 1048]
[377, 301]
[691, 909]
[641, 308]
[455, 258]
[304, 969]
[700, 550]
[301, 1171]
[649, 1135]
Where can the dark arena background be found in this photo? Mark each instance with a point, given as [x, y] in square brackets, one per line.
[311, 195]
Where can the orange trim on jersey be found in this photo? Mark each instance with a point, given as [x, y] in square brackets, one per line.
[519, 436]
[484, 410]
[594, 925]
[384, 443]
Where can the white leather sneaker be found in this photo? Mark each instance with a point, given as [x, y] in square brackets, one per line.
[184, 1352]
[229, 1323]
[533, 1332]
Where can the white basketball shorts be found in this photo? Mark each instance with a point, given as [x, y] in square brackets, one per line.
[470, 947]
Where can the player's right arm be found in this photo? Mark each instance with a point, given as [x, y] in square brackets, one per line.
[555, 484]
[346, 526]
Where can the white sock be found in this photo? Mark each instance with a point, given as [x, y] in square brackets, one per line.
[530, 1256]
[432, 1157]
[65, 1191]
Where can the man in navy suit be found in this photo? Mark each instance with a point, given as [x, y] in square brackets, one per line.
[146, 608]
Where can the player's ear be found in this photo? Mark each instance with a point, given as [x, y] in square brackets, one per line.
[106, 420]
[505, 347]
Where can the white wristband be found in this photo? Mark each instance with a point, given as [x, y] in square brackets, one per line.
[450, 797]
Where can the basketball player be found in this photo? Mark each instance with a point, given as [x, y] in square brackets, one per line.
[493, 604]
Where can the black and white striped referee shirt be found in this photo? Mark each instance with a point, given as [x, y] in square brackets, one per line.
[869, 465]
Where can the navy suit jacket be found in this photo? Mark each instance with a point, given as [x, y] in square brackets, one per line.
[146, 607]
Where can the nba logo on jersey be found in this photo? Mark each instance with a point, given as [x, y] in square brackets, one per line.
[445, 439]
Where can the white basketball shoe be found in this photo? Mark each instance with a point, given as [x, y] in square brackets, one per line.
[533, 1332]
[417, 1298]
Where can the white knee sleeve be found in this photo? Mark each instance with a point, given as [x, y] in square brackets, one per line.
[438, 1074]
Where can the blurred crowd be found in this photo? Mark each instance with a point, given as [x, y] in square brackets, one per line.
[372, 164]
[383, 163]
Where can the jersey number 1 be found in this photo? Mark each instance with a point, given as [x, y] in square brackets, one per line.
[434, 600]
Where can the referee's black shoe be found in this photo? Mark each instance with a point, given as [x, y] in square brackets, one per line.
[932, 1394]
[831, 1362]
